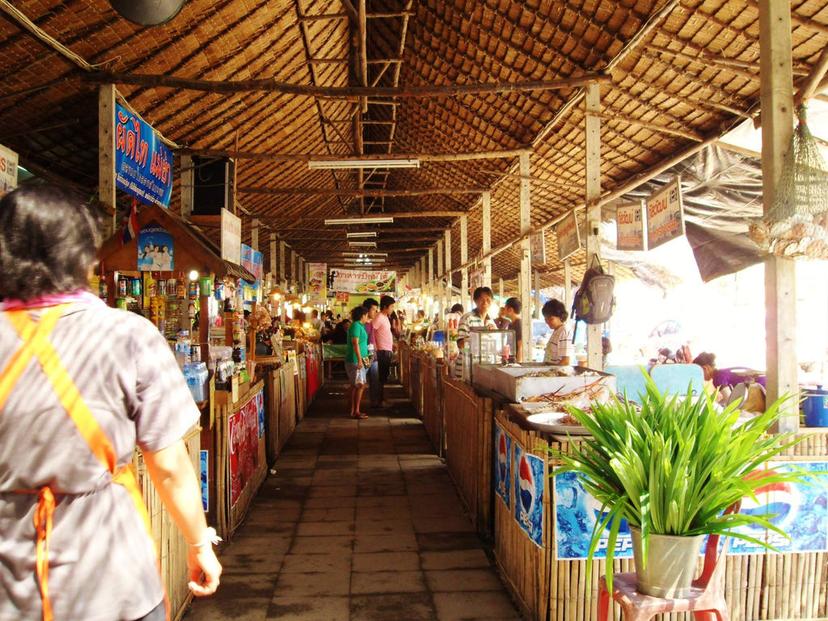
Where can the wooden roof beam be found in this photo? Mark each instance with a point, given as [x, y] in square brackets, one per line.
[391, 14]
[324, 17]
[306, 157]
[340, 92]
[357, 192]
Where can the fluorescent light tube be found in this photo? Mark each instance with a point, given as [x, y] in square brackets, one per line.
[368, 220]
[362, 234]
[363, 163]
[363, 244]
[365, 254]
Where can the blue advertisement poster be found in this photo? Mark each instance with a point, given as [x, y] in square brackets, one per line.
[503, 465]
[143, 164]
[155, 249]
[205, 488]
[799, 510]
[530, 476]
[252, 261]
[261, 410]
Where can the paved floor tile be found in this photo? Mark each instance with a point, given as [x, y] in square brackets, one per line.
[387, 582]
[360, 523]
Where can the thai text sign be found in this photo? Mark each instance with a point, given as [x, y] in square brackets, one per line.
[317, 282]
[364, 282]
[244, 445]
[230, 237]
[252, 261]
[569, 237]
[665, 217]
[143, 164]
[630, 227]
[8, 170]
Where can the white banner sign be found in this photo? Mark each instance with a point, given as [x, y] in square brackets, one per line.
[630, 221]
[363, 282]
[538, 245]
[665, 215]
[8, 170]
[569, 237]
[317, 282]
[230, 237]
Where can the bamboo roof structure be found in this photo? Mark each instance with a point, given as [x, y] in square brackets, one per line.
[463, 85]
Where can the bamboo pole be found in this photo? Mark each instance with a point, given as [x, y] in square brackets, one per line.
[322, 157]
[368, 193]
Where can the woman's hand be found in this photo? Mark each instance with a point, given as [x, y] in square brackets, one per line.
[204, 570]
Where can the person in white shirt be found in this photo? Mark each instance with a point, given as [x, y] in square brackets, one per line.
[478, 318]
[559, 349]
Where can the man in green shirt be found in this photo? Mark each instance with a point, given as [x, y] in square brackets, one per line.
[357, 361]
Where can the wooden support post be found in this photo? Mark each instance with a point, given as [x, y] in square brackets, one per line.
[525, 250]
[464, 258]
[500, 290]
[593, 195]
[302, 277]
[537, 312]
[292, 268]
[431, 271]
[273, 253]
[106, 154]
[187, 186]
[254, 235]
[567, 285]
[423, 273]
[440, 291]
[449, 287]
[282, 261]
[487, 238]
[780, 273]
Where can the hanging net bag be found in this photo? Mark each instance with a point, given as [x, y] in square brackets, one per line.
[797, 223]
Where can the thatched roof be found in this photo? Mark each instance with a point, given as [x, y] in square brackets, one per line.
[678, 72]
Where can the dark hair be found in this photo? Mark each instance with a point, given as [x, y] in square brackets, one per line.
[358, 312]
[514, 304]
[49, 240]
[555, 308]
[705, 359]
[367, 304]
[457, 308]
[482, 291]
[386, 301]
[315, 313]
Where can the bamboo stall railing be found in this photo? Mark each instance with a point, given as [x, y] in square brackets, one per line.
[169, 542]
[432, 374]
[469, 454]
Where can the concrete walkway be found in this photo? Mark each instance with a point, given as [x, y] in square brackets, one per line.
[360, 523]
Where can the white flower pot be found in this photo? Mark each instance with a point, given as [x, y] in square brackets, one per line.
[671, 564]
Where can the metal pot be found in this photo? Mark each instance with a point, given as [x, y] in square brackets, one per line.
[671, 564]
[815, 406]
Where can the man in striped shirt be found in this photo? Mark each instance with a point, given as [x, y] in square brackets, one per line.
[478, 318]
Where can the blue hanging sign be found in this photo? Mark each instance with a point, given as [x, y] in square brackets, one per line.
[143, 164]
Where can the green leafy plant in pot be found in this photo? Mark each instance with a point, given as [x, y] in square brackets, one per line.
[671, 470]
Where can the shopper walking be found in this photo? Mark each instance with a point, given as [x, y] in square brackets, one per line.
[81, 385]
[357, 361]
[384, 340]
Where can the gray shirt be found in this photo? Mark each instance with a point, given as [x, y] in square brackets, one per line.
[101, 561]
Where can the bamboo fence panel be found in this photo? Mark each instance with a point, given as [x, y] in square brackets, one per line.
[169, 542]
[432, 373]
[524, 566]
[273, 402]
[469, 451]
[416, 364]
[404, 357]
[287, 404]
[301, 387]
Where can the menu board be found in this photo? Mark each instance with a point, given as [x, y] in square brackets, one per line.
[8, 170]
[230, 237]
[364, 282]
[665, 215]
[569, 237]
[317, 282]
[630, 230]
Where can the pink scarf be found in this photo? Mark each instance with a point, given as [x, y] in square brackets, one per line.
[80, 296]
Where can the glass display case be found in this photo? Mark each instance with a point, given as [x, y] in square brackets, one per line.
[488, 347]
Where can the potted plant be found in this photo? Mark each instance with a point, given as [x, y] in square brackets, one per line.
[670, 470]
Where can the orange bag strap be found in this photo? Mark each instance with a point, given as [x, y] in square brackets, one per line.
[36, 344]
